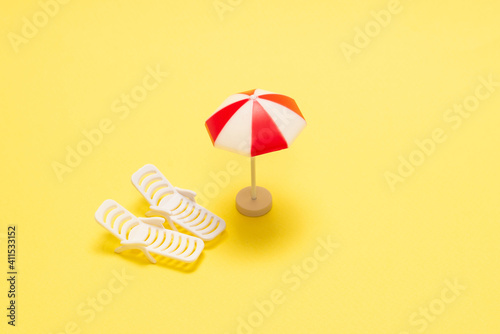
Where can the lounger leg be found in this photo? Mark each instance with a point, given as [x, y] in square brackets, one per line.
[120, 249]
[148, 255]
[155, 211]
[126, 246]
[172, 226]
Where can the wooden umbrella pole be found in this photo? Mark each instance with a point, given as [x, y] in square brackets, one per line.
[254, 186]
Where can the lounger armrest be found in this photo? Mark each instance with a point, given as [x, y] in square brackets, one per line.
[153, 221]
[160, 210]
[138, 244]
[187, 193]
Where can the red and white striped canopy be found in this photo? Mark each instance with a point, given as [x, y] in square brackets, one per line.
[255, 122]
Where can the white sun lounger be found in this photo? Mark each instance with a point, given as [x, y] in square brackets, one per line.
[177, 205]
[147, 234]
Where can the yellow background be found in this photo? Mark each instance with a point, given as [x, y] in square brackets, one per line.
[397, 248]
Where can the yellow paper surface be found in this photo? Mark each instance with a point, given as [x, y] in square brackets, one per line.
[386, 211]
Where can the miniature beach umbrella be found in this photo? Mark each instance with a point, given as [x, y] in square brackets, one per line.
[252, 123]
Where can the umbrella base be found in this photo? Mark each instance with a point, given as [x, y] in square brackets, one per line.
[254, 207]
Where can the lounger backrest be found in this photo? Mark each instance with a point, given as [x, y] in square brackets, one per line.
[152, 184]
[116, 219]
